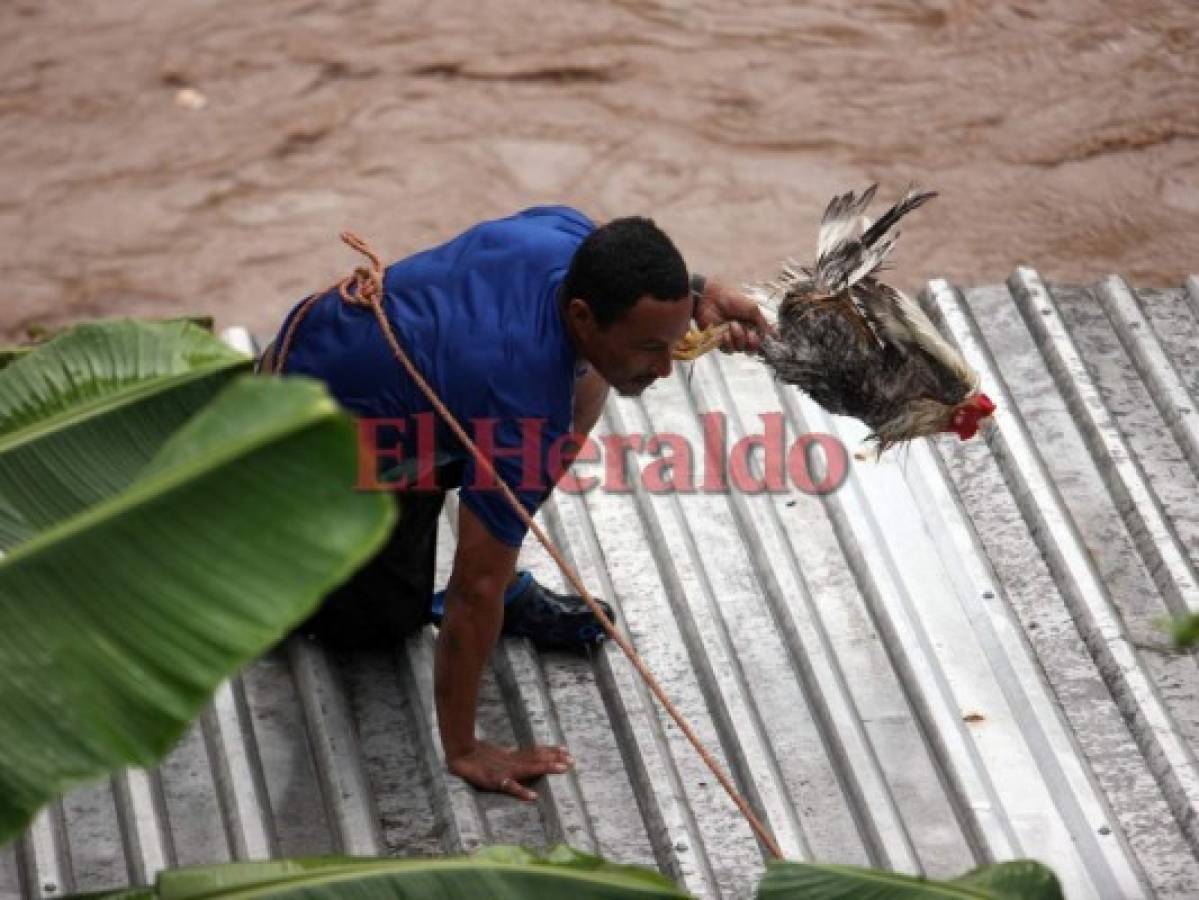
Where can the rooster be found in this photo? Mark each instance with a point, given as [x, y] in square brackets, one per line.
[861, 348]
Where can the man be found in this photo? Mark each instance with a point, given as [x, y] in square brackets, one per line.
[521, 326]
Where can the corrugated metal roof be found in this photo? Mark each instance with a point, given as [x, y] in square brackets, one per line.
[954, 658]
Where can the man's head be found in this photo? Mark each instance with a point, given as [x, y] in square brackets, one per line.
[626, 302]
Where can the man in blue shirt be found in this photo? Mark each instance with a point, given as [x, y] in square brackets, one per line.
[521, 325]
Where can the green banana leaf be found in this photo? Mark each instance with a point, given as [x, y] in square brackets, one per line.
[513, 872]
[1022, 879]
[497, 873]
[81, 415]
[117, 623]
[13, 529]
[11, 354]
[39, 334]
[1185, 631]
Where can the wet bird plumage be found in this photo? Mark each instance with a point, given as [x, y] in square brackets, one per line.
[860, 347]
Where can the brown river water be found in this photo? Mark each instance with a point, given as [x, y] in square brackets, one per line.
[165, 156]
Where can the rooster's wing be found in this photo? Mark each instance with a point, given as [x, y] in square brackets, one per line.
[899, 322]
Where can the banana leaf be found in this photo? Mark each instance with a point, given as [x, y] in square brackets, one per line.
[565, 873]
[513, 872]
[1022, 879]
[1185, 631]
[13, 529]
[11, 354]
[81, 415]
[118, 622]
[497, 873]
[39, 334]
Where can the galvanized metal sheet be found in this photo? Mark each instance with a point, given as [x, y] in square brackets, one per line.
[954, 658]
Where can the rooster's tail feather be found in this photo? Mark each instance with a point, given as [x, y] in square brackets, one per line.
[843, 221]
[910, 201]
[845, 259]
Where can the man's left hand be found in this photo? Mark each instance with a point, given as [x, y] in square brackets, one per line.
[721, 304]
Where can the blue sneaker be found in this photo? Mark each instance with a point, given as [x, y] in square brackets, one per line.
[550, 620]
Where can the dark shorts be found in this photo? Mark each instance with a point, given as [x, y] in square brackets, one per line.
[391, 596]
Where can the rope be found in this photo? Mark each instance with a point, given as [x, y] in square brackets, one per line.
[365, 289]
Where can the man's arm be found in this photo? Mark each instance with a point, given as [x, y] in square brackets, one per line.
[474, 612]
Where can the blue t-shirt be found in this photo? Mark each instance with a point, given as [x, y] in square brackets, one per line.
[479, 318]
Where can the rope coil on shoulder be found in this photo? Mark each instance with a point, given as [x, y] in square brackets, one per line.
[364, 289]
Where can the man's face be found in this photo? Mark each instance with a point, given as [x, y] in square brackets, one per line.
[634, 351]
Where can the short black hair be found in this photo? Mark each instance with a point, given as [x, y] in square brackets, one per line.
[621, 262]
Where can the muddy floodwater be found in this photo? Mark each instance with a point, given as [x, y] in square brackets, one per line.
[163, 156]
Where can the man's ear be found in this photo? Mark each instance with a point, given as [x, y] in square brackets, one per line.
[581, 315]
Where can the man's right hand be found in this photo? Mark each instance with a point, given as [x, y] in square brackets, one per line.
[490, 767]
